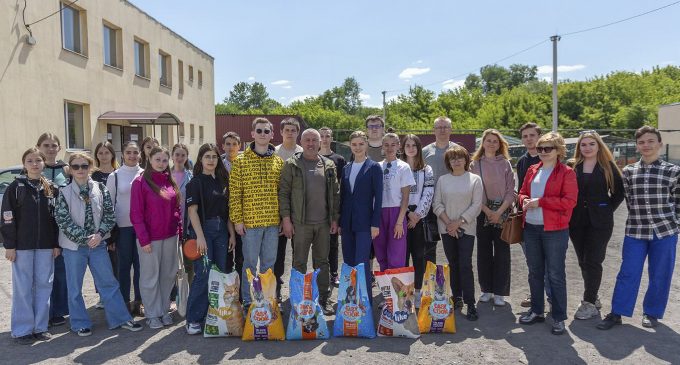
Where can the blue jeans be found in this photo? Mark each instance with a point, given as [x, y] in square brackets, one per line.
[31, 287]
[258, 244]
[128, 258]
[661, 261]
[356, 249]
[59, 296]
[545, 279]
[97, 259]
[217, 239]
[547, 250]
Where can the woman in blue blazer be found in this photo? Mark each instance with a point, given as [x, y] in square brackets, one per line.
[361, 204]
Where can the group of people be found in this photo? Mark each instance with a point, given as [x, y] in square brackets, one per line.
[392, 203]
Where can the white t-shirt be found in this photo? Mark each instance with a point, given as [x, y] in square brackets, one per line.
[354, 172]
[396, 175]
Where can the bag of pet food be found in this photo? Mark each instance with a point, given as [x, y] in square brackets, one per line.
[354, 315]
[306, 321]
[436, 314]
[225, 314]
[263, 321]
[398, 317]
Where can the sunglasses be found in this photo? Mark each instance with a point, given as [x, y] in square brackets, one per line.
[545, 149]
[387, 170]
[78, 167]
[260, 131]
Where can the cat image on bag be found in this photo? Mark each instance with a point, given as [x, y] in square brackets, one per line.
[310, 325]
[260, 301]
[351, 296]
[234, 317]
[405, 303]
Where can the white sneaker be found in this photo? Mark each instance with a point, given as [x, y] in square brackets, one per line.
[193, 328]
[498, 301]
[154, 323]
[418, 295]
[167, 319]
[100, 304]
[586, 310]
[485, 297]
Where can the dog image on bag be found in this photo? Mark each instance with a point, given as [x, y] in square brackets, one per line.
[354, 315]
[306, 321]
[398, 318]
[436, 314]
[263, 321]
[225, 314]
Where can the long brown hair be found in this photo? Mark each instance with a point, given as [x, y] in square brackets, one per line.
[149, 171]
[502, 145]
[186, 149]
[419, 161]
[47, 186]
[109, 146]
[143, 158]
[221, 172]
[604, 157]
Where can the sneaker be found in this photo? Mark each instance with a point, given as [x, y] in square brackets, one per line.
[24, 340]
[558, 328]
[57, 321]
[84, 332]
[649, 321]
[154, 323]
[458, 303]
[598, 304]
[42, 336]
[100, 304]
[498, 301]
[326, 307]
[167, 319]
[335, 280]
[609, 321]
[586, 311]
[526, 303]
[132, 326]
[471, 313]
[193, 328]
[531, 318]
[418, 295]
[485, 297]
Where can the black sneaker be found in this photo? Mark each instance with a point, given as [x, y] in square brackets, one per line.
[558, 328]
[132, 326]
[42, 336]
[24, 340]
[471, 313]
[57, 321]
[326, 307]
[84, 332]
[609, 321]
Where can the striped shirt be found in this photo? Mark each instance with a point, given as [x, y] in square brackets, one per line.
[653, 199]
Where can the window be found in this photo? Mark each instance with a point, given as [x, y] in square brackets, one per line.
[200, 79]
[191, 74]
[200, 134]
[180, 76]
[165, 69]
[75, 135]
[141, 58]
[180, 130]
[191, 133]
[112, 46]
[73, 29]
[164, 136]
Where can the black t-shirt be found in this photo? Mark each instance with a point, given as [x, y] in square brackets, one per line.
[523, 165]
[214, 197]
[100, 176]
[339, 162]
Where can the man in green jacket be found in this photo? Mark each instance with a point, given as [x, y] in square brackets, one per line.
[309, 198]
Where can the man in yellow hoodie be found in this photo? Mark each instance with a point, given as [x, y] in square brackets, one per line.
[253, 201]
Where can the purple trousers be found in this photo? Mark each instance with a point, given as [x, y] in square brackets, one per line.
[389, 251]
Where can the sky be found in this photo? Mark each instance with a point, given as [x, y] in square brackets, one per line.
[301, 48]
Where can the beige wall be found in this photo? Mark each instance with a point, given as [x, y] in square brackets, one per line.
[35, 81]
[669, 118]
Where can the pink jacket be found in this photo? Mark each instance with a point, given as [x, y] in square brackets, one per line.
[154, 216]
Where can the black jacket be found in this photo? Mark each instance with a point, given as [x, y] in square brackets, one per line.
[27, 217]
[594, 198]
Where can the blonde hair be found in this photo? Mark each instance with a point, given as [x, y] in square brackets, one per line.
[604, 157]
[502, 148]
[557, 142]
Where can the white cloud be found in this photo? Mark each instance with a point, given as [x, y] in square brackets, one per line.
[251, 78]
[286, 86]
[452, 84]
[547, 69]
[364, 97]
[302, 97]
[281, 82]
[410, 72]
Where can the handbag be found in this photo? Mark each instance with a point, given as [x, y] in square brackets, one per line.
[513, 228]
[182, 285]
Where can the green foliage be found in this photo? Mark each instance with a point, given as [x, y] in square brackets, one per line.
[499, 97]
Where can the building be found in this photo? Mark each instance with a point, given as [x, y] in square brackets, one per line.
[669, 125]
[242, 125]
[98, 70]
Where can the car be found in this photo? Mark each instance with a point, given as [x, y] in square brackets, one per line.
[7, 175]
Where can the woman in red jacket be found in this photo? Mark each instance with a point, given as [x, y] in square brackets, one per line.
[548, 195]
[155, 215]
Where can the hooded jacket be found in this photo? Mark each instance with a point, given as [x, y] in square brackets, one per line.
[155, 216]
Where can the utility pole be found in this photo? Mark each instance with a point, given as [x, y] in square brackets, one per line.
[554, 40]
[384, 106]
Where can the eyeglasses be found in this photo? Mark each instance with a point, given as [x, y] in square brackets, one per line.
[260, 131]
[545, 149]
[387, 170]
[78, 167]
[374, 126]
[592, 131]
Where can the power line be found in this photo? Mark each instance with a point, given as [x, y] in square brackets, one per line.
[56, 12]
